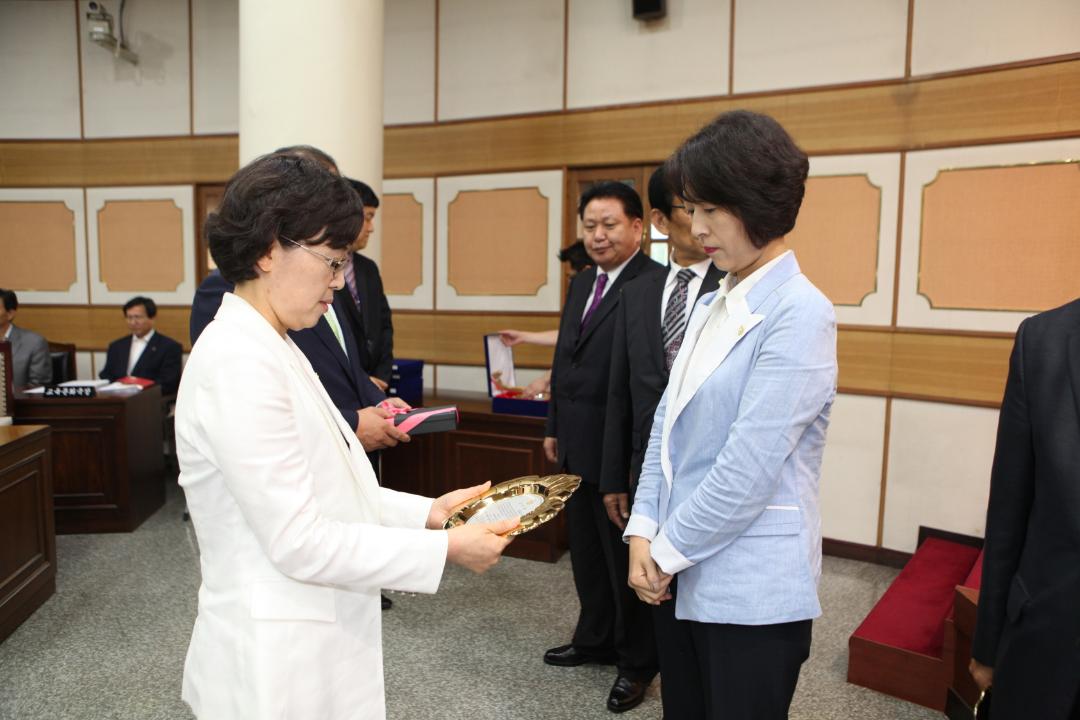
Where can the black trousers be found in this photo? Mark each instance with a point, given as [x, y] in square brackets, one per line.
[734, 672]
[612, 621]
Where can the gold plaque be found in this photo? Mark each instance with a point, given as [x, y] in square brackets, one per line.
[534, 499]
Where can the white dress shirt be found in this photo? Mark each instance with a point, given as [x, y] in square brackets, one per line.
[692, 289]
[612, 276]
[729, 288]
[138, 345]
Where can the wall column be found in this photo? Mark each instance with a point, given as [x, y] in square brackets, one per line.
[312, 73]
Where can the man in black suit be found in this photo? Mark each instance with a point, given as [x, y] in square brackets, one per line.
[366, 309]
[1027, 635]
[609, 628]
[145, 353]
[649, 325]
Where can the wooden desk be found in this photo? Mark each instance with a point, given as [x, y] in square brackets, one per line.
[27, 540]
[485, 446]
[108, 458]
[959, 635]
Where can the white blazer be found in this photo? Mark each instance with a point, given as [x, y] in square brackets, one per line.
[728, 492]
[296, 537]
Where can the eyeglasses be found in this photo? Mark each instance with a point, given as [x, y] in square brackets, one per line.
[335, 266]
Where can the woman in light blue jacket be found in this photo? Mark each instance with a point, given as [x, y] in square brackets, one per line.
[725, 534]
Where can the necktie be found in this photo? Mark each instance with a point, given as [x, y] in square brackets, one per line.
[675, 317]
[598, 295]
[332, 321]
[350, 281]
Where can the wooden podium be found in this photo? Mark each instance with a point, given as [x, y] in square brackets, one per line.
[107, 455]
[27, 540]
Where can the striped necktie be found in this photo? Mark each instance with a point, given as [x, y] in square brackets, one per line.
[675, 317]
[350, 281]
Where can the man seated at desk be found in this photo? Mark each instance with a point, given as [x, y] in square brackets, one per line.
[29, 351]
[145, 353]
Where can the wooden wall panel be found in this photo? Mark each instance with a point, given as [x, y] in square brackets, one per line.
[39, 246]
[402, 261]
[141, 245]
[1043, 102]
[93, 327]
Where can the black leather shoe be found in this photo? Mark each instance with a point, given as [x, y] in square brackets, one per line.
[570, 656]
[386, 603]
[626, 694]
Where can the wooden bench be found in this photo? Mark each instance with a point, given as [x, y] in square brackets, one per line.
[899, 648]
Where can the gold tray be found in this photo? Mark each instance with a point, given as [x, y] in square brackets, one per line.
[536, 499]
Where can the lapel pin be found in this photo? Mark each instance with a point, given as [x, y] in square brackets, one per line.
[742, 329]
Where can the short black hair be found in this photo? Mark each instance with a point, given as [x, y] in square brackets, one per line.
[274, 196]
[311, 153]
[150, 305]
[367, 195]
[631, 201]
[747, 164]
[11, 300]
[576, 255]
[660, 193]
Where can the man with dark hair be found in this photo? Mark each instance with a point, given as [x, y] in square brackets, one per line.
[145, 353]
[29, 351]
[365, 306]
[609, 628]
[649, 327]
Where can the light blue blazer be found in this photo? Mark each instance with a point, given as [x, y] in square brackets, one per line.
[728, 493]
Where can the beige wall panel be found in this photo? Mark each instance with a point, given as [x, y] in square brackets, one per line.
[971, 226]
[785, 44]
[84, 366]
[499, 58]
[408, 252]
[836, 236]
[39, 83]
[980, 213]
[140, 245]
[614, 59]
[497, 241]
[403, 250]
[409, 62]
[850, 487]
[215, 42]
[39, 248]
[142, 242]
[939, 470]
[151, 98]
[503, 256]
[955, 34]
[43, 241]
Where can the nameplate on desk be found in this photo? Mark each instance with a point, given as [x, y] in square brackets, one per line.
[69, 392]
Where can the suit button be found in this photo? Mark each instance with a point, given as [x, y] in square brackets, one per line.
[574, 365]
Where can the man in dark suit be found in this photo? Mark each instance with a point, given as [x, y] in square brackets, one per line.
[649, 325]
[352, 391]
[1027, 635]
[609, 628]
[145, 353]
[366, 309]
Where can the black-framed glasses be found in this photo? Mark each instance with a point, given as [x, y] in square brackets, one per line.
[335, 265]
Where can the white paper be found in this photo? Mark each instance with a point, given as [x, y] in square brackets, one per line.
[512, 507]
[85, 383]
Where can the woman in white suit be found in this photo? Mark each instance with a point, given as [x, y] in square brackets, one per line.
[725, 534]
[296, 537]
